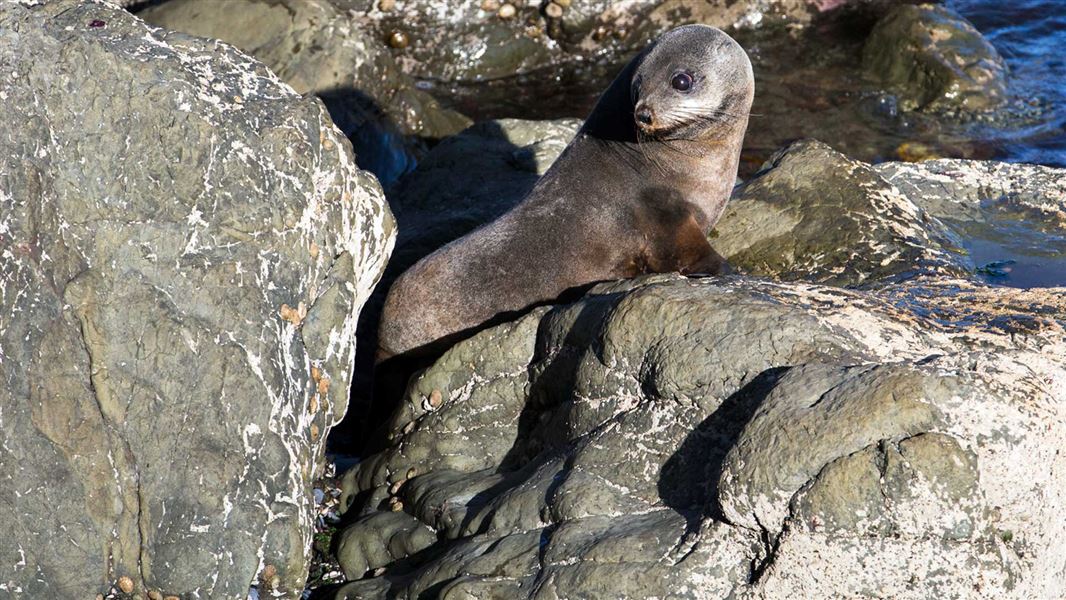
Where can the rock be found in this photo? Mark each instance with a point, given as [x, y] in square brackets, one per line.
[403, 535]
[738, 437]
[1010, 216]
[935, 60]
[317, 49]
[185, 245]
[813, 214]
[473, 40]
[954, 189]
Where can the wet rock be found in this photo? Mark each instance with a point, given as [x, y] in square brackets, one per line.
[935, 60]
[1011, 217]
[185, 245]
[816, 215]
[961, 189]
[317, 49]
[474, 40]
[738, 437]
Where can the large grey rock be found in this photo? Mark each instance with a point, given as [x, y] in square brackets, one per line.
[735, 437]
[185, 245]
[813, 214]
[318, 49]
[935, 60]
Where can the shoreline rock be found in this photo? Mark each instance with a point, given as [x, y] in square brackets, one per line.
[185, 246]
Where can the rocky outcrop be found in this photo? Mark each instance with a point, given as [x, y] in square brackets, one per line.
[318, 49]
[935, 60]
[732, 437]
[742, 437]
[185, 245]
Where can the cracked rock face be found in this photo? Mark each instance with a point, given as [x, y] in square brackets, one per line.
[742, 437]
[185, 244]
[767, 440]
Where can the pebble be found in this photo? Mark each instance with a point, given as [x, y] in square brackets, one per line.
[398, 40]
[916, 152]
[125, 584]
[386, 5]
[506, 11]
[490, 6]
[435, 398]
[553, 10]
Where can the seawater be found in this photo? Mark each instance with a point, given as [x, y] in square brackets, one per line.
[1031, 37]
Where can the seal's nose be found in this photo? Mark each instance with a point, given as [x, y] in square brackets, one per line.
[645, 116]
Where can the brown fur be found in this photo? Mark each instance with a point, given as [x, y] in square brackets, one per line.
[618, 202]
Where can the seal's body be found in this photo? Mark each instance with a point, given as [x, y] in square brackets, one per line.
[636, 191]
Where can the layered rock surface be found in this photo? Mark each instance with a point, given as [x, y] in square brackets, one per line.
[740, 436]
[185, 245]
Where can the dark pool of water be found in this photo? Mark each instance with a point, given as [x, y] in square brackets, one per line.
[1010, 250]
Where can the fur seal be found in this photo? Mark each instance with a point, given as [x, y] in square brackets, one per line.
[636, 191]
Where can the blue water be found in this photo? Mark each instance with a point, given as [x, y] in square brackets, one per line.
[1031, 36]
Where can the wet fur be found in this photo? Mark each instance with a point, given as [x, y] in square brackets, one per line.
[617, 203]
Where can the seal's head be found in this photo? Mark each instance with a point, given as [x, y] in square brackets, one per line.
[692, 83]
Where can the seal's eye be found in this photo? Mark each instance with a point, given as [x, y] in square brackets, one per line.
[682, 82]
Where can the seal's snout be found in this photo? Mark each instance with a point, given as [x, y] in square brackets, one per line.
[645, 116]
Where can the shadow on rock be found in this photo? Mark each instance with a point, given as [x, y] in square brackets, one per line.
[688, 482]
[437, 203]
[380, 147]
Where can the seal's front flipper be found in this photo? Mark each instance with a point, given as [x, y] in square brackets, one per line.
[695, 256]
[710, 263]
